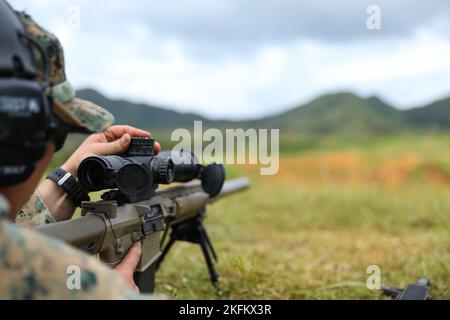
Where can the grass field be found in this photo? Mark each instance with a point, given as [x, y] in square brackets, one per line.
[311, 231]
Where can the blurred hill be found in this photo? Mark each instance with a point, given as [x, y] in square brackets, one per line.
[342, 114]
[141, 115]
[436, 114]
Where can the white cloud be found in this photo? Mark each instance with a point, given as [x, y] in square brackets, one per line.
[120, 52]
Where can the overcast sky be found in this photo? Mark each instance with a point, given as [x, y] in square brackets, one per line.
[249, 58]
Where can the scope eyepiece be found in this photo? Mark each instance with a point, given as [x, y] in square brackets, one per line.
[92, 174]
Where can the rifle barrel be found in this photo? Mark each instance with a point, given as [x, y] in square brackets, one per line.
[231, 187]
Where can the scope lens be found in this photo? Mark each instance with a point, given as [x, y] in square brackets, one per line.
[133, 180]
[91, 174]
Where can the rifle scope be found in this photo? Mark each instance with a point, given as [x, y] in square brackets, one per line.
[138, 171]
[137, 174]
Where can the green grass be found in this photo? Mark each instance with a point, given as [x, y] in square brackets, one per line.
[299, 243]
[315, 241]
[292, 238]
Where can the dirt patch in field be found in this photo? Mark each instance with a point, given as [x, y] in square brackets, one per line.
[354, 168]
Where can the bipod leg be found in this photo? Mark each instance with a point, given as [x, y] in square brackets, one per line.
[165, 251]
[192, 230]
[206, 246]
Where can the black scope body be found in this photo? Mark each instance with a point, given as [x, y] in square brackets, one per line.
[186, 164]
[135, 175]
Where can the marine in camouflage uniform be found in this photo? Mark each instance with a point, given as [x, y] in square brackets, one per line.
[34, 213]
[33, 266]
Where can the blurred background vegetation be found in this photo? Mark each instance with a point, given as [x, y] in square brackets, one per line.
[360, 183]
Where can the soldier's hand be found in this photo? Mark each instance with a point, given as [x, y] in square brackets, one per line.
[128, 265]
[113, 141]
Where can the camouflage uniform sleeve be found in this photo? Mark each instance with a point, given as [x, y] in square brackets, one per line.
[33, 266]
[34, 213]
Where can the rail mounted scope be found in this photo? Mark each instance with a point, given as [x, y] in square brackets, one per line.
[137, 174]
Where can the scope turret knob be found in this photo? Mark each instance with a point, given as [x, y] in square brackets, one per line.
[140, 146]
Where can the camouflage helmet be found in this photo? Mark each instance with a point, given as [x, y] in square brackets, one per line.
[80, 115]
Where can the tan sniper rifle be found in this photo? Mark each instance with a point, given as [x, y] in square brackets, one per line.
[138, 211]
